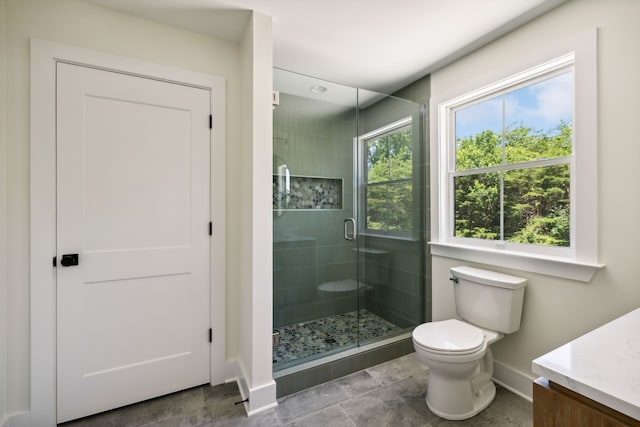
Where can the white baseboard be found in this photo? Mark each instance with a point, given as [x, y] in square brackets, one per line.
[19, 419]
[225, 373]
[259, 398]
[513, 380]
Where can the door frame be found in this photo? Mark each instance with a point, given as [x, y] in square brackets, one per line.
[44, 56]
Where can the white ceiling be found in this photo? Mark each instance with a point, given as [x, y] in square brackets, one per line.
[380, 45]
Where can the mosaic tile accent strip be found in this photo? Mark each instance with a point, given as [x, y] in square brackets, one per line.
[316, 338]
[307, 193]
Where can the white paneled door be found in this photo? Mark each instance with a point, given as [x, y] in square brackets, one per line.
[132, 239]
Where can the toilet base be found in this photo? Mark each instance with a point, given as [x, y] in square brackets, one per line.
[458, 399]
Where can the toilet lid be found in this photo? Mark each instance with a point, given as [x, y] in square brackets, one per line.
[451, 336]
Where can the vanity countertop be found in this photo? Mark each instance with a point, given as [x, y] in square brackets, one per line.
[603, 365]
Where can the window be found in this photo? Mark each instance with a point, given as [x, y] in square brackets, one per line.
[517, 169]
[512, 157]
[387, 155]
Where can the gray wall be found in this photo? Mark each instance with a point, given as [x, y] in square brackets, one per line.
[558, 310]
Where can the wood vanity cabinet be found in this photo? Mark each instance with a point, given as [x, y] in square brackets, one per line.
[557, 406]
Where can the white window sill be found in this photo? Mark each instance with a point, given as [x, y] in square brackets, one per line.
[550, 266]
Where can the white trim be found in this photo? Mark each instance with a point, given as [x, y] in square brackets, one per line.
[243, 387]
[261, 398]
[19, 419]
[386, 129]
[550, 266]
[256, 399]
[581, 260]
[446, 114]
[44, 55]
[513, 380]
[511, 82]
[359, 156]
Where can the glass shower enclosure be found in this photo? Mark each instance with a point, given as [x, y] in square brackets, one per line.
[348, 218]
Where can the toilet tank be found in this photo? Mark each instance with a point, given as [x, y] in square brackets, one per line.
[488, 299]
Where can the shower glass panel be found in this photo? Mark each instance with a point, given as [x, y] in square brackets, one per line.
[348, 218]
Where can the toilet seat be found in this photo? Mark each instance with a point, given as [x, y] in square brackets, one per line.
[452, 337]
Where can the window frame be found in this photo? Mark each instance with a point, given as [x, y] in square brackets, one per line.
[360, 145]
[579, 261]
[528, 78]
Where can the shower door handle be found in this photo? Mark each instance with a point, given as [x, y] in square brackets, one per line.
[352, 235]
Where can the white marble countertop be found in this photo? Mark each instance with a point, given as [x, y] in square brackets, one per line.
[603, 365]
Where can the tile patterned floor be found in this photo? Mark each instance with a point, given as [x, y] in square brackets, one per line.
[316, 338]
[389, 394]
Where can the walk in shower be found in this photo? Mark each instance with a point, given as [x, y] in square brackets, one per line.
[349, 194]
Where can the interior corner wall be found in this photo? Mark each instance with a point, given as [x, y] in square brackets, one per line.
[262, 192]
[252, 217]
[558, 310]
[239, 214]
[3, 213]
[87, 26]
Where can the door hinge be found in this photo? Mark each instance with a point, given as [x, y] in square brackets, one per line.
[210, 228]
[54, 262]
[210, 121]
[210, 335]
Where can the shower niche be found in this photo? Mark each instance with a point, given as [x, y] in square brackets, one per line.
[304, 192]
[348, 226]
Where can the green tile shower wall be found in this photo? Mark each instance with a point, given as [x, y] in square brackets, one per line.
[401, 298]
[312, 145]
[315, 145]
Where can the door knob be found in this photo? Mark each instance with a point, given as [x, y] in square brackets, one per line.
[69, 259]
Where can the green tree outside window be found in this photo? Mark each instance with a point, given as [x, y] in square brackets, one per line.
[389, 201]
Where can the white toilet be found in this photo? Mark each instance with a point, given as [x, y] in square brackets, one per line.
[456, 351]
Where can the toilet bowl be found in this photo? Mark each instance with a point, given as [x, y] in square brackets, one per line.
[456, 351]
[460, 367]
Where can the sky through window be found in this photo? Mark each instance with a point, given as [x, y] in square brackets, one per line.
[541, 106]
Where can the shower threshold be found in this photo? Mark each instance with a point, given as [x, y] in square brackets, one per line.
[326, 368]
[331, 336]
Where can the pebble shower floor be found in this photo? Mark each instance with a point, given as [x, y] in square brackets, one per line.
[300, 341]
